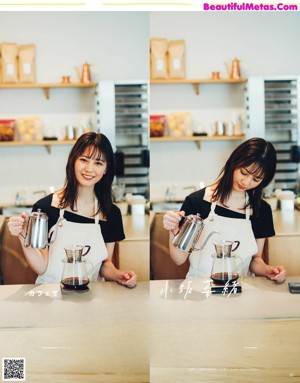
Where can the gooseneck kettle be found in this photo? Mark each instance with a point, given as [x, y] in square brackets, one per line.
[189, 234]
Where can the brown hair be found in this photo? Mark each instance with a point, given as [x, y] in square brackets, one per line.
[255, 153]
[97, 144]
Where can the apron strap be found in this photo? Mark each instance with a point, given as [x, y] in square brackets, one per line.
[248, 209]
[95, 209]
[212, 211]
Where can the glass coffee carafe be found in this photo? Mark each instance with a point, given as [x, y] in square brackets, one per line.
[76, 271]
[225, 266]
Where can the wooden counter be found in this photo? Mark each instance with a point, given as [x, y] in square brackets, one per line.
[136, 227]
[96, 336]
[284, 247]
[134, 252]
[249, 337]
[286, 222]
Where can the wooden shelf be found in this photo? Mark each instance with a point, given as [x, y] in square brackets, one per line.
[45, 143]
[196, 139]
[196, 82]
[47, 86]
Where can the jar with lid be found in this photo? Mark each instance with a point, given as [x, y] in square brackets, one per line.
[157, 125]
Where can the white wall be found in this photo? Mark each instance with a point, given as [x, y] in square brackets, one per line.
[266, 43]
[115, 43]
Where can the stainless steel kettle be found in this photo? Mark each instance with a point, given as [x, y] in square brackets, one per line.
[36, 235]
[189, 234]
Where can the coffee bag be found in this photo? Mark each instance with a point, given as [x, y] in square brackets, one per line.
[27, 63]
[9, 52]
[176, 59]
[158, 58]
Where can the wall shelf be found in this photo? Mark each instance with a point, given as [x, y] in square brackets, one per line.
[47, 143]
[46, 87]
[196, 82]
[197, 139]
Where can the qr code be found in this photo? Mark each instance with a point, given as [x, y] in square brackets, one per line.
[13, 369]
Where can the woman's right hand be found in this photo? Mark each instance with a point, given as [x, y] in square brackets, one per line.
[171, 220]
[17, 225]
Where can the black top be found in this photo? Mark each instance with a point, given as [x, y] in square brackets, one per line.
[262, 225]
[112, 229]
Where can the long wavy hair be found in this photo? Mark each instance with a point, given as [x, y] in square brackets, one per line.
[259, 157]
[97, 145]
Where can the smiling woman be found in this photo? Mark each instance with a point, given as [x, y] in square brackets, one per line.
[81, 213]
[232, 209]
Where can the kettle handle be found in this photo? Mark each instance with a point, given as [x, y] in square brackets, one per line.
[24, 236]
[88, 249]
[237, 245]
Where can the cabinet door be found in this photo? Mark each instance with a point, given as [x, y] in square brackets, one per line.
[284, 250]
[134, 255]
[14, 269]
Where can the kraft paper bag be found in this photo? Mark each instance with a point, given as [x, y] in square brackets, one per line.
[158, 58]
[26, 63]
[9, 52]
[176, 59]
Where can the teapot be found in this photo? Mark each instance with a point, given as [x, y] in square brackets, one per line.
[225, 269]
[189, 233]
[76, 275]
[36, 235]
[235, 72]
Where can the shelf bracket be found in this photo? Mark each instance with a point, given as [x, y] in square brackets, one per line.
[48, 147]
[47, 93]
[196, 87]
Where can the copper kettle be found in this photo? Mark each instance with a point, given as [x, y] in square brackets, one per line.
[86, 74]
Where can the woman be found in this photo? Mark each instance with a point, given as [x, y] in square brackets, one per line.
[233, 206]
[82, 213]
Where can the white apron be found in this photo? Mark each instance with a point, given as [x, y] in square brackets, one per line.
[230, 229]
[71, 233]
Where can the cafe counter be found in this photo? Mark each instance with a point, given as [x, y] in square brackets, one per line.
[284, 247]
[67, 337]
[252, 336]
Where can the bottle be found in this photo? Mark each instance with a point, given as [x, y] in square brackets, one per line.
[238, 126]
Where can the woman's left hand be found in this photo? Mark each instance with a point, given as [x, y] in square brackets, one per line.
[127, 278]
[276, 273]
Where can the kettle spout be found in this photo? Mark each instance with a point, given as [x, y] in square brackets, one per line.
[209, 235]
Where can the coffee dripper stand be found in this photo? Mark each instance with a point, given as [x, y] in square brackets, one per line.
[224, 275]
[76, 276]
